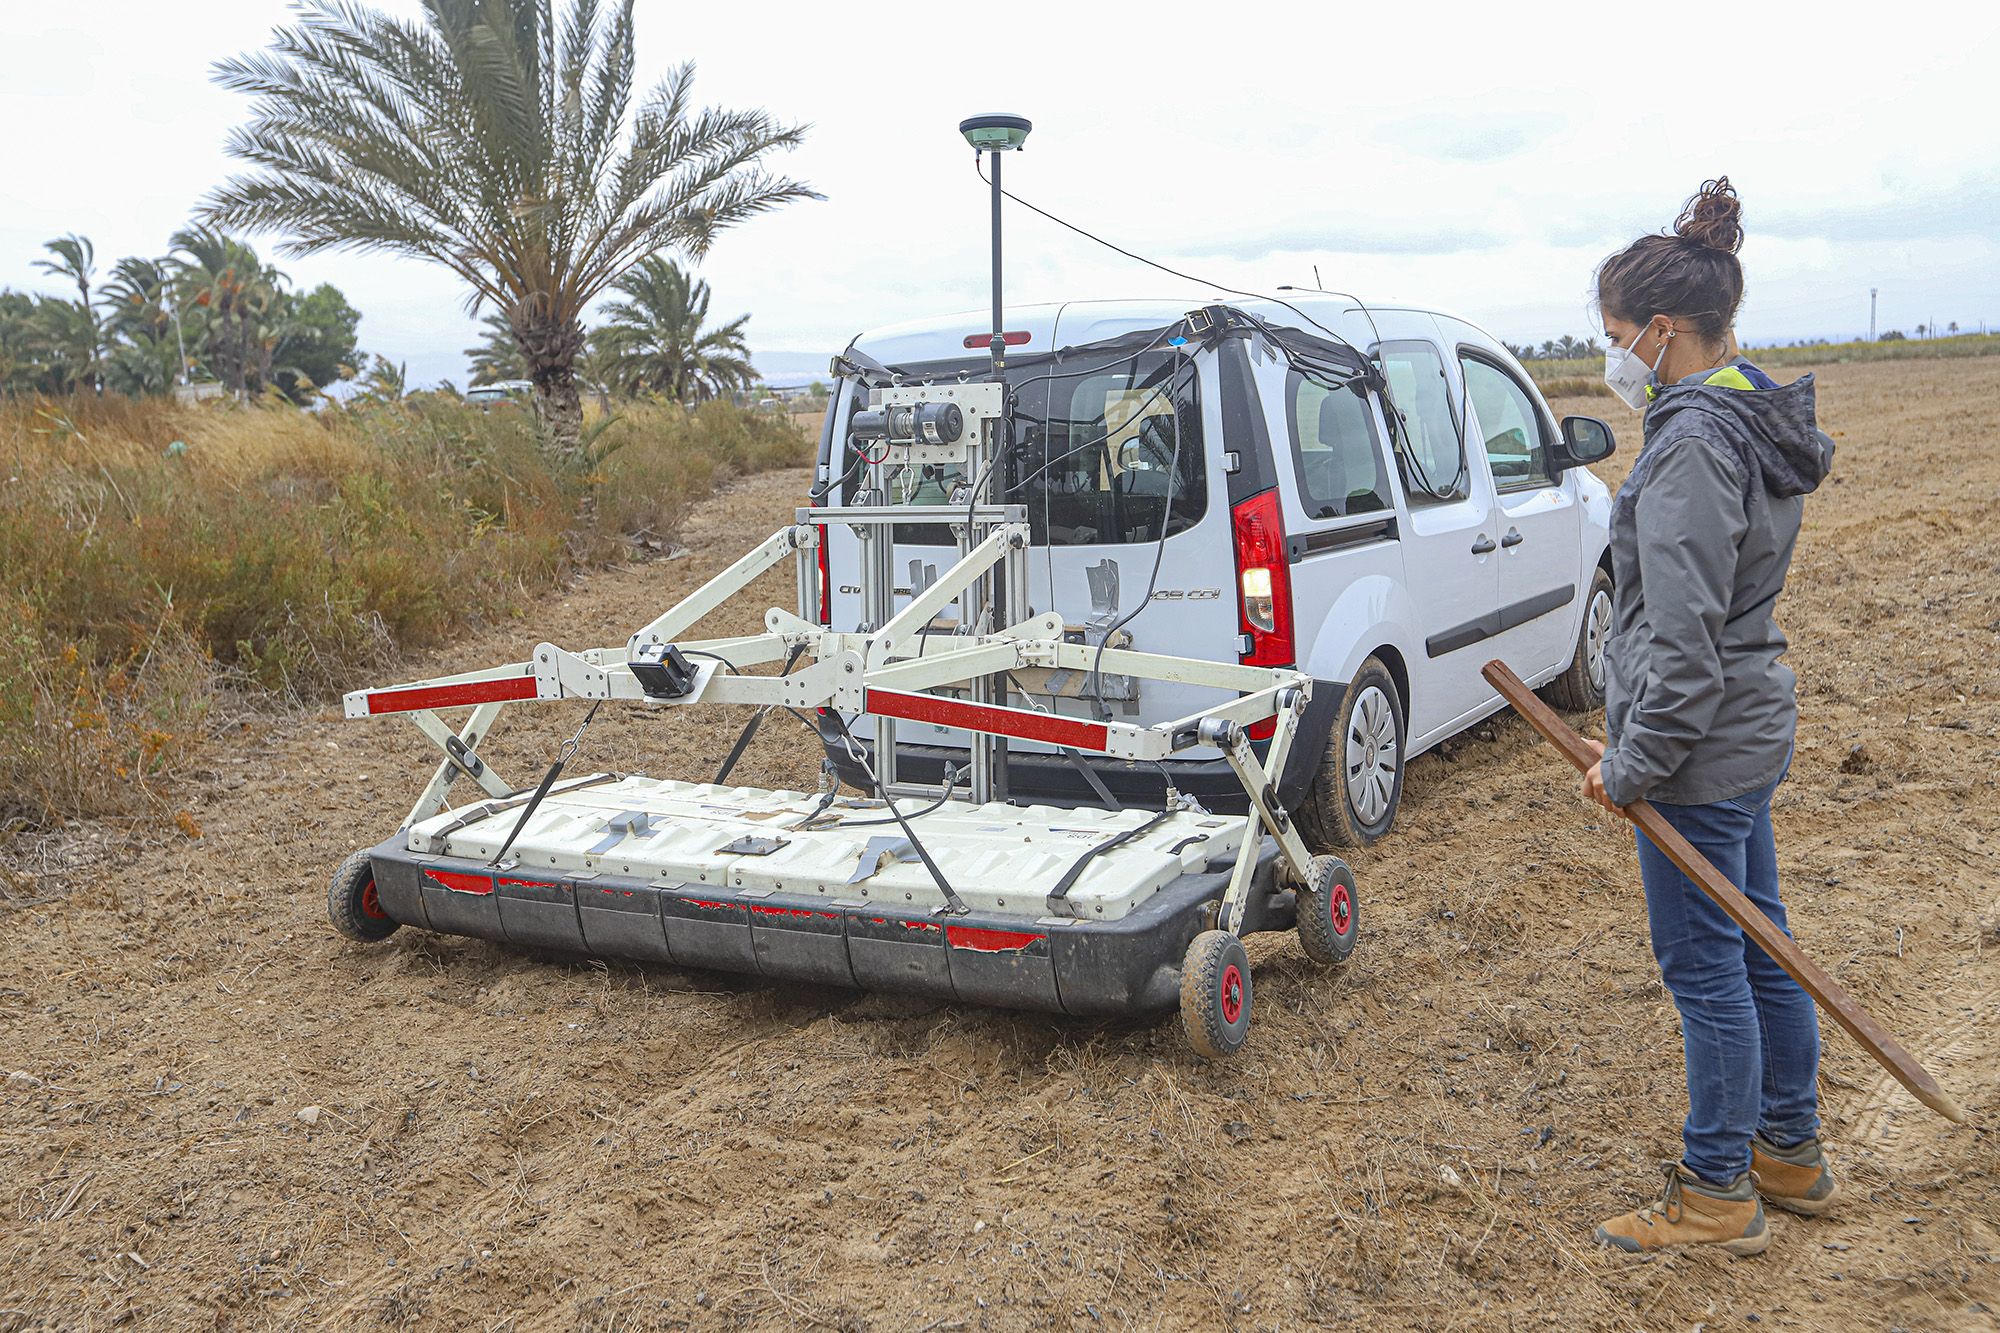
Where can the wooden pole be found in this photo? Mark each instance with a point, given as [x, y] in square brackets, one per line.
[1831, 995]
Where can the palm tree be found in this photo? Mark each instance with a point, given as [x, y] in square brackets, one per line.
[384, 381]
[494, 141]
[653, 340]
[76, 259]
[497, 356]
[239, 300]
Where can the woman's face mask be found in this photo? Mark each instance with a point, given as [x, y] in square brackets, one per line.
[1627, 375]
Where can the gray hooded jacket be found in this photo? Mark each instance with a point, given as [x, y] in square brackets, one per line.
[1697, 706]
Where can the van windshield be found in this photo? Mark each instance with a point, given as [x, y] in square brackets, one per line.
[1103, 453]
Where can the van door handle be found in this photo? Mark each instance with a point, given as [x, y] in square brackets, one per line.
[1513, 537]
[1484, 546]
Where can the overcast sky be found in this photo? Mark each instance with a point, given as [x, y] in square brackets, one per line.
[1465, 158]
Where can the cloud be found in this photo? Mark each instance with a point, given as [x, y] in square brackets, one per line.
[1971, 208]
[1475, 134]
[1343, 237]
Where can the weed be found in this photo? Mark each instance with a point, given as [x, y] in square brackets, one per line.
[150, 551]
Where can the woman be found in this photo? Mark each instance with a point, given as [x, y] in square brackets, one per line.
[1700, 713]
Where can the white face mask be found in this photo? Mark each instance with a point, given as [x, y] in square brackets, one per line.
[1628, 376]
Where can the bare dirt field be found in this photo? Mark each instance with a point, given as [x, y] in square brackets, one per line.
[1421, 1140]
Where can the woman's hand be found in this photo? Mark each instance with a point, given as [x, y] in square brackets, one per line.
[1593, 781]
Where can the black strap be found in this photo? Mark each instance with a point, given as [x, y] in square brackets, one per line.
[542, 789]
[1060, 892]
[1076, 761]
[749, 732]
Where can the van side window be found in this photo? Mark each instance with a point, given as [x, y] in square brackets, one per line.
[1338, 460]
[1517, 445]
[1419, 409]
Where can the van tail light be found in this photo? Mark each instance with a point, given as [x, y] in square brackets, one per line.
[1263, 588]
[825, 582]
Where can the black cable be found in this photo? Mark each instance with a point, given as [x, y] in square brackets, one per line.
[956, 904]
[1159, 552]
[979, 166]
[1093, 443]
[1423, 478]
[728, 665]
[950, 785]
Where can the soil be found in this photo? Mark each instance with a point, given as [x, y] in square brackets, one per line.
[216, 1114]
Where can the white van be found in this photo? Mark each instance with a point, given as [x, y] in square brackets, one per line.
[1377, 494]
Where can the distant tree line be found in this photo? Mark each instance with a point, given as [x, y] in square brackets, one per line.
[209, 310]
[1564, 348]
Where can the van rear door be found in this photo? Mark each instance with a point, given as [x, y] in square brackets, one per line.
[1126, 500]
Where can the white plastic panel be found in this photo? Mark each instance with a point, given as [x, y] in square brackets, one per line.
[999, 858]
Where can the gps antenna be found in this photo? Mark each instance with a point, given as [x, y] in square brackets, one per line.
[996, 133]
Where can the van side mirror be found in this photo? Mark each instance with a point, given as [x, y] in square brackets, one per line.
[1584, 440]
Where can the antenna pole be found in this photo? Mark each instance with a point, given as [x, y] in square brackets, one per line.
[999, 344]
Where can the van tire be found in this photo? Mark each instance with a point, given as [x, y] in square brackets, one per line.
[1371, 710]
[1580, 687]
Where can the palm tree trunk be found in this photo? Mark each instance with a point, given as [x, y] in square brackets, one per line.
[551, 350]
[559, 408]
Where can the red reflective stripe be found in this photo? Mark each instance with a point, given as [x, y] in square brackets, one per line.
[1015, 722]
[989, 941]
[460, 882]
[505, 690]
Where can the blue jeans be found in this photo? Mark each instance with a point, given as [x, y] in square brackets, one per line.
[1751, 1035]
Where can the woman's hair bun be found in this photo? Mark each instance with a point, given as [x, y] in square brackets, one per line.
[1713, 217]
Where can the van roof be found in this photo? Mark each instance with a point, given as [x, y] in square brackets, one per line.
[1079, 323]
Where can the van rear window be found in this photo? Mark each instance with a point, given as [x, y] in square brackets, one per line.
[1110, 455]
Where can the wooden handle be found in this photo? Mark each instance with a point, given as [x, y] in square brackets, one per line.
[1830, 994]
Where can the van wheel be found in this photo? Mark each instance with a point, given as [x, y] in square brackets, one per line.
[1580, 687]
[1353, 798]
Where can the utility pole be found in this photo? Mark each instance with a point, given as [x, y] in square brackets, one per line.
[1871, 314]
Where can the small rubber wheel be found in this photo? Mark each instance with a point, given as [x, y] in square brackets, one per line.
[1215, 994]
[352, 905]
[1329, 916]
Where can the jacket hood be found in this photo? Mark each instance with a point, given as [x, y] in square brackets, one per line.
[1775, 429]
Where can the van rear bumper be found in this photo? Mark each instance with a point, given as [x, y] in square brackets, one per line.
[1051, 779]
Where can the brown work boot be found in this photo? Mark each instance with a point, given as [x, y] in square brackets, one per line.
[1693, 1212]
[1797, 1180]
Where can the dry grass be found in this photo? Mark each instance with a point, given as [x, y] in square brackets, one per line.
[152, 550]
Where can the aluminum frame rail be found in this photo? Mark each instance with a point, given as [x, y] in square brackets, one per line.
[889, 673]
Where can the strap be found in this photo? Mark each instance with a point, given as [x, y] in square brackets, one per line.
[1059, 895]
[1075, 758]
[749, 732]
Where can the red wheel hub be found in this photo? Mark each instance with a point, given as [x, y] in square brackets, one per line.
[1232, 994]
[370, 904]
[1343, 909]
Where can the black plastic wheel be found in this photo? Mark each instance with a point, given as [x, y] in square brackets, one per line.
[1329, 915]
[351, 903]
[1215, 994]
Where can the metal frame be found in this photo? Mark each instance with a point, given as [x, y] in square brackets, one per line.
[891, 670]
